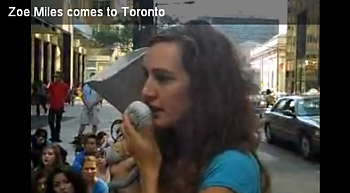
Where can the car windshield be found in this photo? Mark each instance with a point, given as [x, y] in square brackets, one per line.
[309, 107]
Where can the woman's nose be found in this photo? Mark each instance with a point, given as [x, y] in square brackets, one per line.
[42, 186]
[62, 187]
[148, 92]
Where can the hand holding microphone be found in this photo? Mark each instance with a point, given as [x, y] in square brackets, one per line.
[139, 139]
[136, 140]
[140, 117]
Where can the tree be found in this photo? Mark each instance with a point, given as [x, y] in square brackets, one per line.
[166, 21]
[119, 34]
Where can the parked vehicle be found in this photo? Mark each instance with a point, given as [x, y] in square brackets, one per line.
[295, 119]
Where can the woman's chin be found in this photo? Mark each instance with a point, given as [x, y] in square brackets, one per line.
[160, 124]
[161, 121]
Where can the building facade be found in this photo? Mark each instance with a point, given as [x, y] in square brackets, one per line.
[270, 60]
[59, 43]
[303, 42]
[243, 29]
[101, 57]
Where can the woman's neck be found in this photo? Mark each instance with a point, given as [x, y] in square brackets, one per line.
[48, 167]
[102, 169]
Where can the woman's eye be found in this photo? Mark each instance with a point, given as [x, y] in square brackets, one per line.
[162, 78]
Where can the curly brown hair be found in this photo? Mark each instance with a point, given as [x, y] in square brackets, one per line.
[58, 162]
[221, 117]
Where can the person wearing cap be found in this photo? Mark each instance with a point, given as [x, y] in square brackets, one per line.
[58, 95]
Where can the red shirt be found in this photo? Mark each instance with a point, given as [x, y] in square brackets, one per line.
[58, 94]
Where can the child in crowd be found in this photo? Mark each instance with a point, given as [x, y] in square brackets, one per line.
[102, 140]
[38, 142]
[50, 159]
[90, 146]
[89, 171]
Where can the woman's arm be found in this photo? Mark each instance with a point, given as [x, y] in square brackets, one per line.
[149, 183]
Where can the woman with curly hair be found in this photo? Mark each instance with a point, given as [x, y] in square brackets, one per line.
[202, 137]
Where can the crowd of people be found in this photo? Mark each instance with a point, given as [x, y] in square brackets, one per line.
[51, 173]
[50, 170]
[202, 134]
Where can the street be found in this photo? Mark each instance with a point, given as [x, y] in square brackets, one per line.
[289, 172]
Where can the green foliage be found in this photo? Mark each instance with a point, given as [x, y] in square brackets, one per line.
[166, 21]
[117, 34]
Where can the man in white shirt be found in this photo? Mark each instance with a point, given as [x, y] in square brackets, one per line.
[89, 115]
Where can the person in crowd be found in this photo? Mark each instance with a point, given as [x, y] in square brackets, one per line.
[65, 180]
[102, 169]
[64, 154]
[51, 158]
[38, 142]
[270, 98]
[102, 140]
[89, 114]
[90, 147]
[202, 136]
[38, 182]
[41, 97]
[58, 95]
[94, 184]
[73, 93]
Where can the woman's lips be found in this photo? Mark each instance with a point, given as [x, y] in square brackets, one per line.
[155, 109]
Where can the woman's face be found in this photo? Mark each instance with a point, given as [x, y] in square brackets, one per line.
[40, 140]
[41, 185]
[103, 141]
[166, 88]
[101, 160]
[61, 184]
[89, 170]
[48, 157]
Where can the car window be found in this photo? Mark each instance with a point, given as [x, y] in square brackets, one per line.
[290, 105]
[279, 106]
[309, 107]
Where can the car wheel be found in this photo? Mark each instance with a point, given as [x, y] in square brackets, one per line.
[305, 146]
[269, 137]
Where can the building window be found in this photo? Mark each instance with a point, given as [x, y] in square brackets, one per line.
[290, 74]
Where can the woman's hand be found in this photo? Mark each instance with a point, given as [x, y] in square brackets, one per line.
[142, 146]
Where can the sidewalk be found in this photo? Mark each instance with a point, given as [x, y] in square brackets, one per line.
[70, 127]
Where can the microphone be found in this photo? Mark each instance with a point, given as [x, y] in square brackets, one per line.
[139, 114]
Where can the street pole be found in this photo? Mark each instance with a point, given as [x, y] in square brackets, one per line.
[142, 29]
[155, 20]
